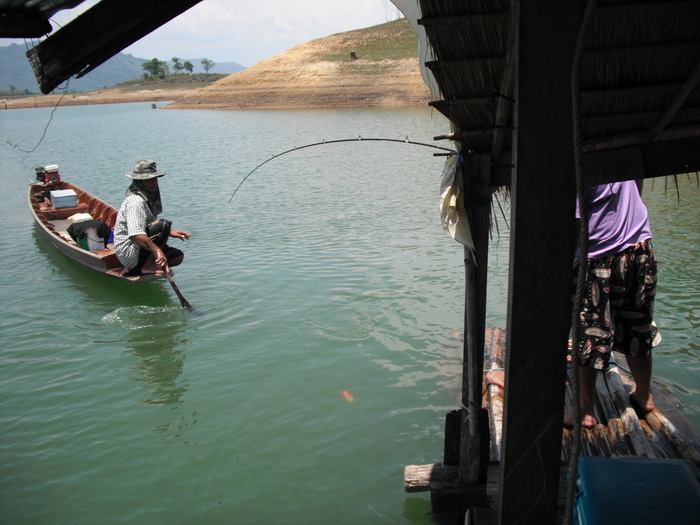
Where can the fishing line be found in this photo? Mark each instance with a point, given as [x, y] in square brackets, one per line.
[336, 141]
[46, 128]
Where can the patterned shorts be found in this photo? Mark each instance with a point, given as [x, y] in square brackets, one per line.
[618, 305]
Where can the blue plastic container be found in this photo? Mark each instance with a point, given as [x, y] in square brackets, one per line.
[636, 491]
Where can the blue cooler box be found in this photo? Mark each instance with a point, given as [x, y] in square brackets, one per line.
[64, 199]
[636, 491]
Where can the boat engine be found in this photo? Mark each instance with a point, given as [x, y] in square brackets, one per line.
[48, 175]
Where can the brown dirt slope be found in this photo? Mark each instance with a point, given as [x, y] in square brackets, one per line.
[321, 73]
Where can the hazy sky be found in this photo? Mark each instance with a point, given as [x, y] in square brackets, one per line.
[248, 31]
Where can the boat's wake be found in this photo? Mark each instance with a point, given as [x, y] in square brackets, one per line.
[136, 317]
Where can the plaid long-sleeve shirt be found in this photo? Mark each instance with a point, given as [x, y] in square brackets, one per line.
[133, 218]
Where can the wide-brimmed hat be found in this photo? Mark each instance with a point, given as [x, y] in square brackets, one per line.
[144, 170]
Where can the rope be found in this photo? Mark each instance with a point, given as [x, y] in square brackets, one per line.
[358, 139]
[582, 259]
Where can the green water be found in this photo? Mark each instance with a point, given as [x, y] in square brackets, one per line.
[322, 355]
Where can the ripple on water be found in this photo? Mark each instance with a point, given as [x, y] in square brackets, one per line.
[136, 317]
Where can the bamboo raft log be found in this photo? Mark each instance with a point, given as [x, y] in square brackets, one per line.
[661, 434]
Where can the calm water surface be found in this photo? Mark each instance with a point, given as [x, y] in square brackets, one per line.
[322, 356]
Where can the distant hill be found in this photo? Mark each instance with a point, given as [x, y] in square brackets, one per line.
[16, 71]
[375, 66]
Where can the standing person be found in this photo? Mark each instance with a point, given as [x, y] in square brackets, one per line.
[139, 239]
[618, 299]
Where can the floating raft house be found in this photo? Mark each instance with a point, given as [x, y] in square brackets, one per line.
[543, 97]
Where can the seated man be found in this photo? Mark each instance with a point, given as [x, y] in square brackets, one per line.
[139, 239]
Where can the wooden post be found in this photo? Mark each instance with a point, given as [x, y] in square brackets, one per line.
[477, 202]
[542, 247]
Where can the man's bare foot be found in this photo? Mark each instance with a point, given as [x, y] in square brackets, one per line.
[642, 406]
[152, 271]
[496, 377]
[587, 420]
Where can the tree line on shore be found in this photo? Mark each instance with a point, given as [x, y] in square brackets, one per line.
[13, 92]
[160, 69]
[154, 70]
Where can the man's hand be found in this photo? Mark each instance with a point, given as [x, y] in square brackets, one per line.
[179, 234]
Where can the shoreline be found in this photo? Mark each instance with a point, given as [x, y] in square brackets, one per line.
[92, 98]
[173, 96]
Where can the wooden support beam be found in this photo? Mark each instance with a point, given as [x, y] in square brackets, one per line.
[542, 245]
[477, 203]
[97, 35]
[417, 478]
[447, 494]
[641, 161]
[453, 425]
[504, 106]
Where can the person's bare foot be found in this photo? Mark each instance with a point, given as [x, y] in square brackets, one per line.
[153, 271]
[642, 406]
[587, 420]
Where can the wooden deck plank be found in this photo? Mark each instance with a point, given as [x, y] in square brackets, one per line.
[494, 360]
[640, 445]
[683, 446]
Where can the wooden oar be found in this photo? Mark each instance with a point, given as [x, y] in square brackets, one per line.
[183, 301]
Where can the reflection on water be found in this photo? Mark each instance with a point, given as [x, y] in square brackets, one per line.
[161, 363]
[152, 330]
[154, 339]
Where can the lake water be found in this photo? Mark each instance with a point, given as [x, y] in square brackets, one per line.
[322, 356]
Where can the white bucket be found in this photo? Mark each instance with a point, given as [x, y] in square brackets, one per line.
[94, 242]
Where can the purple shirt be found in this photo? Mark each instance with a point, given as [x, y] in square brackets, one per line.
[617, 218]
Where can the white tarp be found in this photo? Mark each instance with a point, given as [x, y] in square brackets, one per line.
[411, 10]
[452, 211]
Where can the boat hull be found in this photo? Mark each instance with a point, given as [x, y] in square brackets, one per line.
[53, 224]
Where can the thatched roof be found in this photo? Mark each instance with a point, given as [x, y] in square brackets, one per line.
[640, 73]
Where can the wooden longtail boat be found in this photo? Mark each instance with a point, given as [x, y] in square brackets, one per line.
[54, 222]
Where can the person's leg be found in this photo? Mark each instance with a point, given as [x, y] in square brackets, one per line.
[636, 327]
[174, 256]
[641, 371]
[158, 232]
[150, 265]
[595, 338]
[587, 377]
[144, 257]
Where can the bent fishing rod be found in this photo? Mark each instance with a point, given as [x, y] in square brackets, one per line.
[336, 141]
